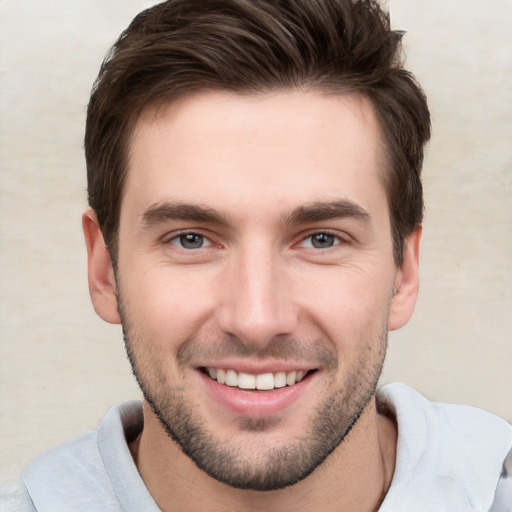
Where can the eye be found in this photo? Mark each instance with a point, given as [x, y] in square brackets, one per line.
[321, 241]
[190, 241]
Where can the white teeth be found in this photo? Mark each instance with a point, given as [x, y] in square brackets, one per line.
[246, 381]
[231, 378]
[221, 376]
[280, 380]
[290, 378]
[263, 382]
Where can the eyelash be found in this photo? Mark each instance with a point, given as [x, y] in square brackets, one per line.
[179, 239]
[337, 239]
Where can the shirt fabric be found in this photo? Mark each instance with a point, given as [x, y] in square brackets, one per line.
[449, 458]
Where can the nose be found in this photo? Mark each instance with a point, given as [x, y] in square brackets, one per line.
[257, 302]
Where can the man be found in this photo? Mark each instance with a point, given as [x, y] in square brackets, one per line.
[256, 207]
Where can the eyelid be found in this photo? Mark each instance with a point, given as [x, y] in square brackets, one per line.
[342, 238]
[177, 240]
[174, 235]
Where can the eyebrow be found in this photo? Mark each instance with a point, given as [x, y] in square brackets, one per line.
[164, 212]
[320, 211]
[312, 212]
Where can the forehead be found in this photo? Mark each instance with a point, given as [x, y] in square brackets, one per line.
[226, 150]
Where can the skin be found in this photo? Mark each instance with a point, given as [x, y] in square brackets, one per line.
[257, 286]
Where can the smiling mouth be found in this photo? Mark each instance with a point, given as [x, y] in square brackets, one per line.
[261, 382]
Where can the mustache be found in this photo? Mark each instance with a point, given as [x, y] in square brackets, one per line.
[281, 347]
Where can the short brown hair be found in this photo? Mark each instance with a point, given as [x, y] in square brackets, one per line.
[254, 46]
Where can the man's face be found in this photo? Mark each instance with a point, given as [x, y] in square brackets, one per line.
[255, 252]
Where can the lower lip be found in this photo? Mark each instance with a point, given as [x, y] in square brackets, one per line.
[255, 404]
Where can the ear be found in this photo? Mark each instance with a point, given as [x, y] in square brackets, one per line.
[406, 285]
[102, 283]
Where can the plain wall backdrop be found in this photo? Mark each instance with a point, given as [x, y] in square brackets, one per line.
[61, 367]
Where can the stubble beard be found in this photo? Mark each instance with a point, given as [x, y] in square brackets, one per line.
[268, 466]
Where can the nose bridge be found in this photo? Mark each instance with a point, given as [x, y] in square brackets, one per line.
[257, 304]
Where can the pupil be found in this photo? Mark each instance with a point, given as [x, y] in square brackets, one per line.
[322, 240]
[191, 241]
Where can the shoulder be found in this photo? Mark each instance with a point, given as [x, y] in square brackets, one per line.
[503, 497]
[436, 422]
[85, 474]
[14, 497]
[68, 475]
[446, 453]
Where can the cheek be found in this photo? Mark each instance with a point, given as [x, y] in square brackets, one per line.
[347, 303]
[167, 303]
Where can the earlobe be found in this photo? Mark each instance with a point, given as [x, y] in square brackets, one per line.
[406, 283]
[102, 285]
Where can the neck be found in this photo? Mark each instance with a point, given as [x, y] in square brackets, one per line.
[355, 477]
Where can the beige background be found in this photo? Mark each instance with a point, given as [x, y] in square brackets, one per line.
[61, 367]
